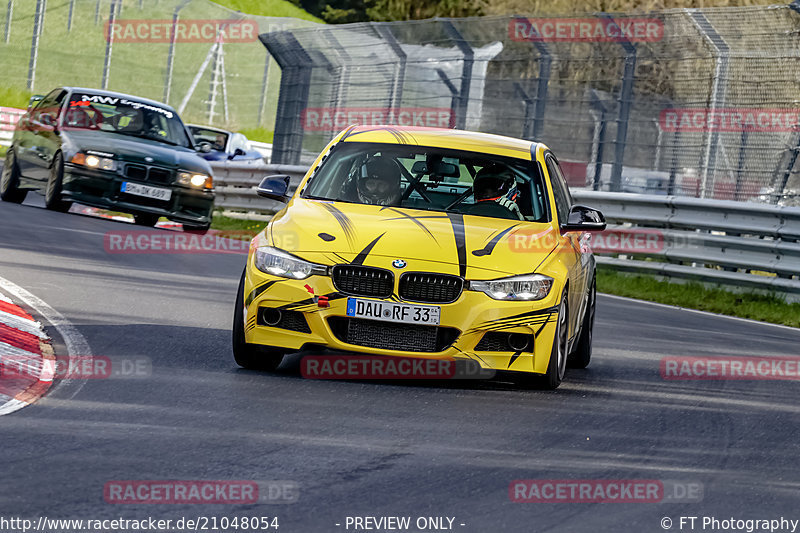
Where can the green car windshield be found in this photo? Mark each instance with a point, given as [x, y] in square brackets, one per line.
[125, 117]
[432, 179]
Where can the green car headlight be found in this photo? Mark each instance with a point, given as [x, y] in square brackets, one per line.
[279, 263]
[526, 287]
[94, 161]
[199, 181]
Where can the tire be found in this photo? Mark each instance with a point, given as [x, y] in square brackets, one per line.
[196, 229]
[9, 181]
[145, 219]
[582, 355]
[558, 356]
[251, 356]
[52, 195]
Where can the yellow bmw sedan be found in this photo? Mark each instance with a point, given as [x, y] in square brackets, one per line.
[427, 243]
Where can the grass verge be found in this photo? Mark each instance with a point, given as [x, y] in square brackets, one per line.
[268, 8]
[693, 295]
[262, 135]
[12, 97]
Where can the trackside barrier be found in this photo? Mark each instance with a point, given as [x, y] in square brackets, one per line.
[734, 243]
[235, 187]
[9, 117]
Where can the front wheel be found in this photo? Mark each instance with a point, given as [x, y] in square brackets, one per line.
[582, 355]
[191, 228]
[145, 219]
[246, 355]
[558, 356]
[52, 195]
[9, 181]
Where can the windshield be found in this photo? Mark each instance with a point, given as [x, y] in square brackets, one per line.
[433, 179]
[216, 139]
[125, 117]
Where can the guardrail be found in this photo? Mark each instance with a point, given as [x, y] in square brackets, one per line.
[235, 185]
[9, 117]
[732, 243]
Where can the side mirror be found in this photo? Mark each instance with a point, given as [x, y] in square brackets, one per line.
[47, 119]
[238, 152]
[274, 188]
[34, 100]
[582, 218]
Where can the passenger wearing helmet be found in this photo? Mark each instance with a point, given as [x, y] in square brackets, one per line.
[378, 182]
[495, 191]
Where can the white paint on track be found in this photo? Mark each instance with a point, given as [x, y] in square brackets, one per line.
[697, 311]
[22, 324]
[75, 343]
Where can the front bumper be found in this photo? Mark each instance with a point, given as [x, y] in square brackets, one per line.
[103, 189]
[469, 319]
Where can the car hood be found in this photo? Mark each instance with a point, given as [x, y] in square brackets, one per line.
[135, 150]
[470, 246]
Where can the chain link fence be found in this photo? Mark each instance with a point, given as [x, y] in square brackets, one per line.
[195, 55]
[692, 102]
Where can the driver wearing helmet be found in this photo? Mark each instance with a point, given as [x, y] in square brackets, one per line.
[378, 182]
[496, 192]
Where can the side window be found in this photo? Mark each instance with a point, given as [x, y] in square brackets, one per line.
[49, 104]
[560, 190]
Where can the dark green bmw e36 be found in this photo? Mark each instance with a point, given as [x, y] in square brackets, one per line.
[112, 151]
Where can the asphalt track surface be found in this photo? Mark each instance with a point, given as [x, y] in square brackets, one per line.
[374, 448]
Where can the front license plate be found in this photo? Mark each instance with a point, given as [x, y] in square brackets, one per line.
[393, 311]
[156, 193]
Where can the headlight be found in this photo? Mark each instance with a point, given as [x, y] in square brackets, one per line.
[526, 287]
[195, 180]
[93, 161]
[279, 263]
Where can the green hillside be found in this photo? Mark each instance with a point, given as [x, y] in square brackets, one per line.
[268, 8]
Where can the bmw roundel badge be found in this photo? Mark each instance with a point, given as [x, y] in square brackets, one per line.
[399, 263]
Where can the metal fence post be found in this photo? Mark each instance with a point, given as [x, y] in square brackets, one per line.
[740, 165]
[173, 36]
[453, 92]
[545, 59]
[296, 67]
[527, 124]
[396, 93]
[69, 15]
[112, 14]
[340, 89]
[263, 100]
[718, 94]
[466, 72]
[673, 169]
[601, 136]
[9, 14]
[97, 13]
[41, 6]
[625, 102]
[784, 175]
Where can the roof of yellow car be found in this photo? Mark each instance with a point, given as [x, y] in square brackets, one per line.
[444, 138]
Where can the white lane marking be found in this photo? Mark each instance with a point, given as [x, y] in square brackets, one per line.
[7, 349]
[22, 324]
[697, 311]
[76, 230]
[74, 342]
[11, 406]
